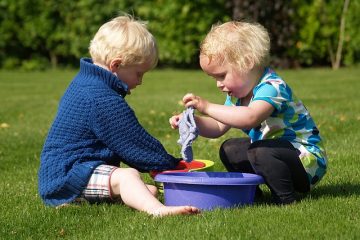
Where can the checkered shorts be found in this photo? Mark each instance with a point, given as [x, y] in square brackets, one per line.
[98, 189]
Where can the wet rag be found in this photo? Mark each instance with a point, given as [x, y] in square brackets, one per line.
[188, 133]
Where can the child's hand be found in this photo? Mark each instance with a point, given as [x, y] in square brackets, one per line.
[174, 121]
[190, 100]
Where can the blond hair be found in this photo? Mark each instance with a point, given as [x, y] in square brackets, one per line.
[242, 44]
[126, 38]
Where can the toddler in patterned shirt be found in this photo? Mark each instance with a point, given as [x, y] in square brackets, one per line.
[283, 144]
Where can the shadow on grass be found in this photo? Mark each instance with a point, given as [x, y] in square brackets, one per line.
[336, 190]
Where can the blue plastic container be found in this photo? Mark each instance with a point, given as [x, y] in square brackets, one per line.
[209, 190]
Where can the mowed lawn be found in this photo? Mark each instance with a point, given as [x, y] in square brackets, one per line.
[28, 103]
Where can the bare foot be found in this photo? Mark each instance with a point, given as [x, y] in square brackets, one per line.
[175, 210]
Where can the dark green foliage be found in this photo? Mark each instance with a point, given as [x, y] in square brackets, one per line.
[57, 31]
[38, 34]
[319, 32]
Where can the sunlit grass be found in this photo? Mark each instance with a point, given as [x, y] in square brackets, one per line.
[27, 108]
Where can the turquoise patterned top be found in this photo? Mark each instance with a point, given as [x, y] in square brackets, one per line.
[291, 121]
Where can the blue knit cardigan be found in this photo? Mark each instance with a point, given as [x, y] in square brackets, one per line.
[94, 125]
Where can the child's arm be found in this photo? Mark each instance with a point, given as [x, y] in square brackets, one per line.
[210, 128]
[115, 125]
[207, 126]
[243, 117]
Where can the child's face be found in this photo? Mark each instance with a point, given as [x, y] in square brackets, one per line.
[228, 79]
[132, 74]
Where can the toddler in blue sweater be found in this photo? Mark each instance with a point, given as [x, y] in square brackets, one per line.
[95, 129]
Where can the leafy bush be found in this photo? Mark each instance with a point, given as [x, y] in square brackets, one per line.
[302, 32]
[36, 63]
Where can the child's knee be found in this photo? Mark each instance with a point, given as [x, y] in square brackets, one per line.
[153, 189]
[122, 174]
[258, 155]
[125, 173]
[232, 148]
[226, 149]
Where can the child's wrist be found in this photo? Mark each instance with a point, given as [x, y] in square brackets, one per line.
[205, 107]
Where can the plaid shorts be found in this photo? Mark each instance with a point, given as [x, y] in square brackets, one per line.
[98, 189]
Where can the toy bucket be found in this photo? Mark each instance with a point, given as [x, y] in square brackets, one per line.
[209, 190]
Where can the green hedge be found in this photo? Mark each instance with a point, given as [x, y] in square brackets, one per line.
[36, 34]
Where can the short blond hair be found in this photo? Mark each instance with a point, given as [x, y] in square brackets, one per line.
[124, 37]
[242, 44]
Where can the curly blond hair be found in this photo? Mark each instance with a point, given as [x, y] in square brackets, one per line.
[126, 38]
[242, 44]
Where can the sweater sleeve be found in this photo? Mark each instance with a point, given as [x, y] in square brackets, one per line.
[116, 125]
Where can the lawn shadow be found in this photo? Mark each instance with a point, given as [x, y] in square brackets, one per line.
[336, 190]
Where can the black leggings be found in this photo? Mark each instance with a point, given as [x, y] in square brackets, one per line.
[276, 160]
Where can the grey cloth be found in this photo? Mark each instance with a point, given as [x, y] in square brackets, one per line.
[188, 133]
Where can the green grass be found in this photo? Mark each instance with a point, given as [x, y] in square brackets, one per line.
[28, 102]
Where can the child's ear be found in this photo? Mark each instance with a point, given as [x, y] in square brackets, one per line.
[249, 62]
[115, 64]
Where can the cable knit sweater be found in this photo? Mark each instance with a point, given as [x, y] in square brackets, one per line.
[94, 125]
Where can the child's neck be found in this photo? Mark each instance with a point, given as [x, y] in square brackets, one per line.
[255, 77]
[256, 74]
[101, 65]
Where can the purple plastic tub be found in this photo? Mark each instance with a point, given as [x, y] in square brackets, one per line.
[209, 190]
